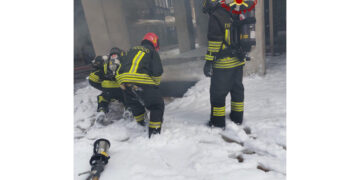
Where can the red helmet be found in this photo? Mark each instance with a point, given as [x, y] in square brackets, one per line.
[154, 39]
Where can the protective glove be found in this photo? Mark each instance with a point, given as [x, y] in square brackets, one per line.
[241, 55]
[97, 63]
[208, 68]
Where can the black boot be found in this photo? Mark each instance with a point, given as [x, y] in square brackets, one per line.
[237, 117]
[217, 118]
[153, 131]
[218, 123]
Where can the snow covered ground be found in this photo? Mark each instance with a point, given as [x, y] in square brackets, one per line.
[186, 148]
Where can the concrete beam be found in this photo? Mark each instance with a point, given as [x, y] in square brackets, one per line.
[257, 64]
[184, 25]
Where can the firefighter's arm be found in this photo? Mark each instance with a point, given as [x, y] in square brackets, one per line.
[156, 68]
[215, 38]
[95, 80]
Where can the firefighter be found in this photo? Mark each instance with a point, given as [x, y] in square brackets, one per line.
[224, 64]
[103, 79]
[140, 73]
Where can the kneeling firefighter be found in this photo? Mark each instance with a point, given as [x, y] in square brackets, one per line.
[103, 79]
[225, 60]
[140, 73]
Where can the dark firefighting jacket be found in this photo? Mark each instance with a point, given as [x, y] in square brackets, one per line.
[219, 40]
[142, 65]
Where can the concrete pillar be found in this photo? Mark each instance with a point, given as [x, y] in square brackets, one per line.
[184, 25]
[94, 15]
[114, 12]
[202, 21]
[257, 63]
[107, 24]
[271, 24]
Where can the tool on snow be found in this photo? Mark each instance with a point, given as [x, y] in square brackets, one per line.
[99, 159]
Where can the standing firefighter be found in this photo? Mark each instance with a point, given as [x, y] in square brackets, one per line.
[103, 79]
[225, 60]
[140, 72]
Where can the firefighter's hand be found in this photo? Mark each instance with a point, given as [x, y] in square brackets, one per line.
[208, 68]
[110, 77]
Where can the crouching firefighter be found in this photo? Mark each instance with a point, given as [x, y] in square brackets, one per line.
[140, 73]
[225, 60]
[103, 79]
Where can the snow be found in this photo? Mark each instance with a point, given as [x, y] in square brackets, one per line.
[186, 148]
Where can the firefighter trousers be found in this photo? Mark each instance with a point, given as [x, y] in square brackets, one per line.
[148, 97]
[224, 81]
[107, 95]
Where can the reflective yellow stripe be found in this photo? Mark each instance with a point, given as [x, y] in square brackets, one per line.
[227, 36]
[219, 66]
[237, 106]
[157, 79]
[219, 114]
[135, 78]
[214, 43]
[214, 47]
[217, 46]
[244, 36]
[105, 68]
[136, 61]
[229, 62]
[95, 78]
[140, 117]
[218, 111]
[117, 71]
[209, 57]
[154, 124]
[102, 99]
[210, 49]
[110, 84]
[137, 81]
